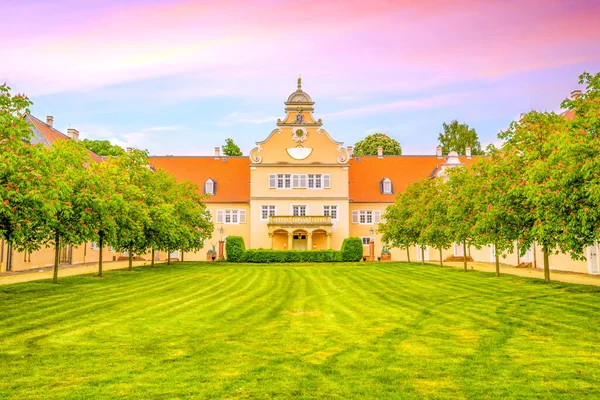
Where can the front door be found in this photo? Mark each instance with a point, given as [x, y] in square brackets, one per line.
[299, 242]
[65, 255]
[593, 259]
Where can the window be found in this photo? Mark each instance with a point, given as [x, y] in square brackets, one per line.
[94, 246]
[366, 240]
[299, 211]
[284, 181]
[231, 216]
[330, 211]
[209, 186]
[299, 181]
[366, 217]
[266, 212]
[387, 186]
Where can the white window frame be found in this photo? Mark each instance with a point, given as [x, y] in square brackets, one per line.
[355, 216]
[299, 205]
[271, 211]
[368, 241]
[94, 246]
[210, 182]
[426, 248]
[272, 181]
[387, 186]
[458, 247]
[231, 216]
[328, 210]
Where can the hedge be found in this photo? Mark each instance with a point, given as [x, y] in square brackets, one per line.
[352, 249]
[286, 256]
[234, 247]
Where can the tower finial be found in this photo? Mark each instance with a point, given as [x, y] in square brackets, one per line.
[300, 82]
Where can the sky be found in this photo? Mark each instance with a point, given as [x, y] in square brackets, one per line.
[179, 77]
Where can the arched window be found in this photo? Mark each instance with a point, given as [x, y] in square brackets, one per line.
[387, 186]
[209, 187]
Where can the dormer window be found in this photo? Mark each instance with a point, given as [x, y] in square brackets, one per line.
[209, 187]
[386, 186]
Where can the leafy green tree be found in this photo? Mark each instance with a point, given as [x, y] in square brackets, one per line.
[395, 227]
[101, 202]
[437, 232]
[133, 217]
[103, 147]
[63, 186]
[368, 146]
[20, 195]
[529, 144]
[231, 149]
[457, 137]
[461, 209]
[575, 165]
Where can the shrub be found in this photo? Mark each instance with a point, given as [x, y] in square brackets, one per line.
[352, 249]
[234, 247]
[286, 256]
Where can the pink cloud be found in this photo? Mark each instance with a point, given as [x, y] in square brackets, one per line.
[342, 45]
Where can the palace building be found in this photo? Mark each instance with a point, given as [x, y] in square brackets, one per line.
[301, 189]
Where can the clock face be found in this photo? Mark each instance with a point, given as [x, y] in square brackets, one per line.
[299, 135]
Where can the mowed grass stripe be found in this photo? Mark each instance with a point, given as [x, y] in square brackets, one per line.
[366, 330]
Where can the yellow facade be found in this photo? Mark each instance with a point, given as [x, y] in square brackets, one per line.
[300, 195]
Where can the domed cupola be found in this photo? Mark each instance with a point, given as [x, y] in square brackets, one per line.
[299, 108]
[299, 97]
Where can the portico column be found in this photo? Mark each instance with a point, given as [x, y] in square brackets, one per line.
[328, 241]
[309, 241]
[290, 241]
[271, 235]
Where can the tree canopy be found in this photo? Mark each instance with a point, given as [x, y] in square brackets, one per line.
[457, 137]
[231, 149]
[368, 146]
[103, 147]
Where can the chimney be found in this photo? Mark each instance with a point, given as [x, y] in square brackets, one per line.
[217, 151]
[73, 133]
[49, 120]
[468, 152]
[380, 152]
[438, 151]
[349, 148]
[575, 94]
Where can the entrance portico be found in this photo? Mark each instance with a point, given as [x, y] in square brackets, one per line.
[303, 232]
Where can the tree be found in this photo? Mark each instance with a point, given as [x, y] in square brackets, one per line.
[63, 186]
[368, 146]
[20, 194]
[231, 149]
[437, 232]
[395, 229]
[133, 217]
[457, 137]
[529, 144]
[101, 203]
[461, 207]
[103, 147]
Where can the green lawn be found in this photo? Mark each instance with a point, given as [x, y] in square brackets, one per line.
[390, 330]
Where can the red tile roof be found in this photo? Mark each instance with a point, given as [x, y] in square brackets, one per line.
[366, 172]
[232, 175]
[52, 134]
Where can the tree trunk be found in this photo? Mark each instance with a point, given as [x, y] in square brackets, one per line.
[152, 261]
[408, 253]
[422, 255]
[100, 244]
[168, 257]
[181, 255]
[441, 260]
[497, 261]
[465, 255]
[546, 264]
[130, 259]
[56, 257]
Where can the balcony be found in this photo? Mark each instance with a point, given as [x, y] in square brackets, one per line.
[297, 221]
